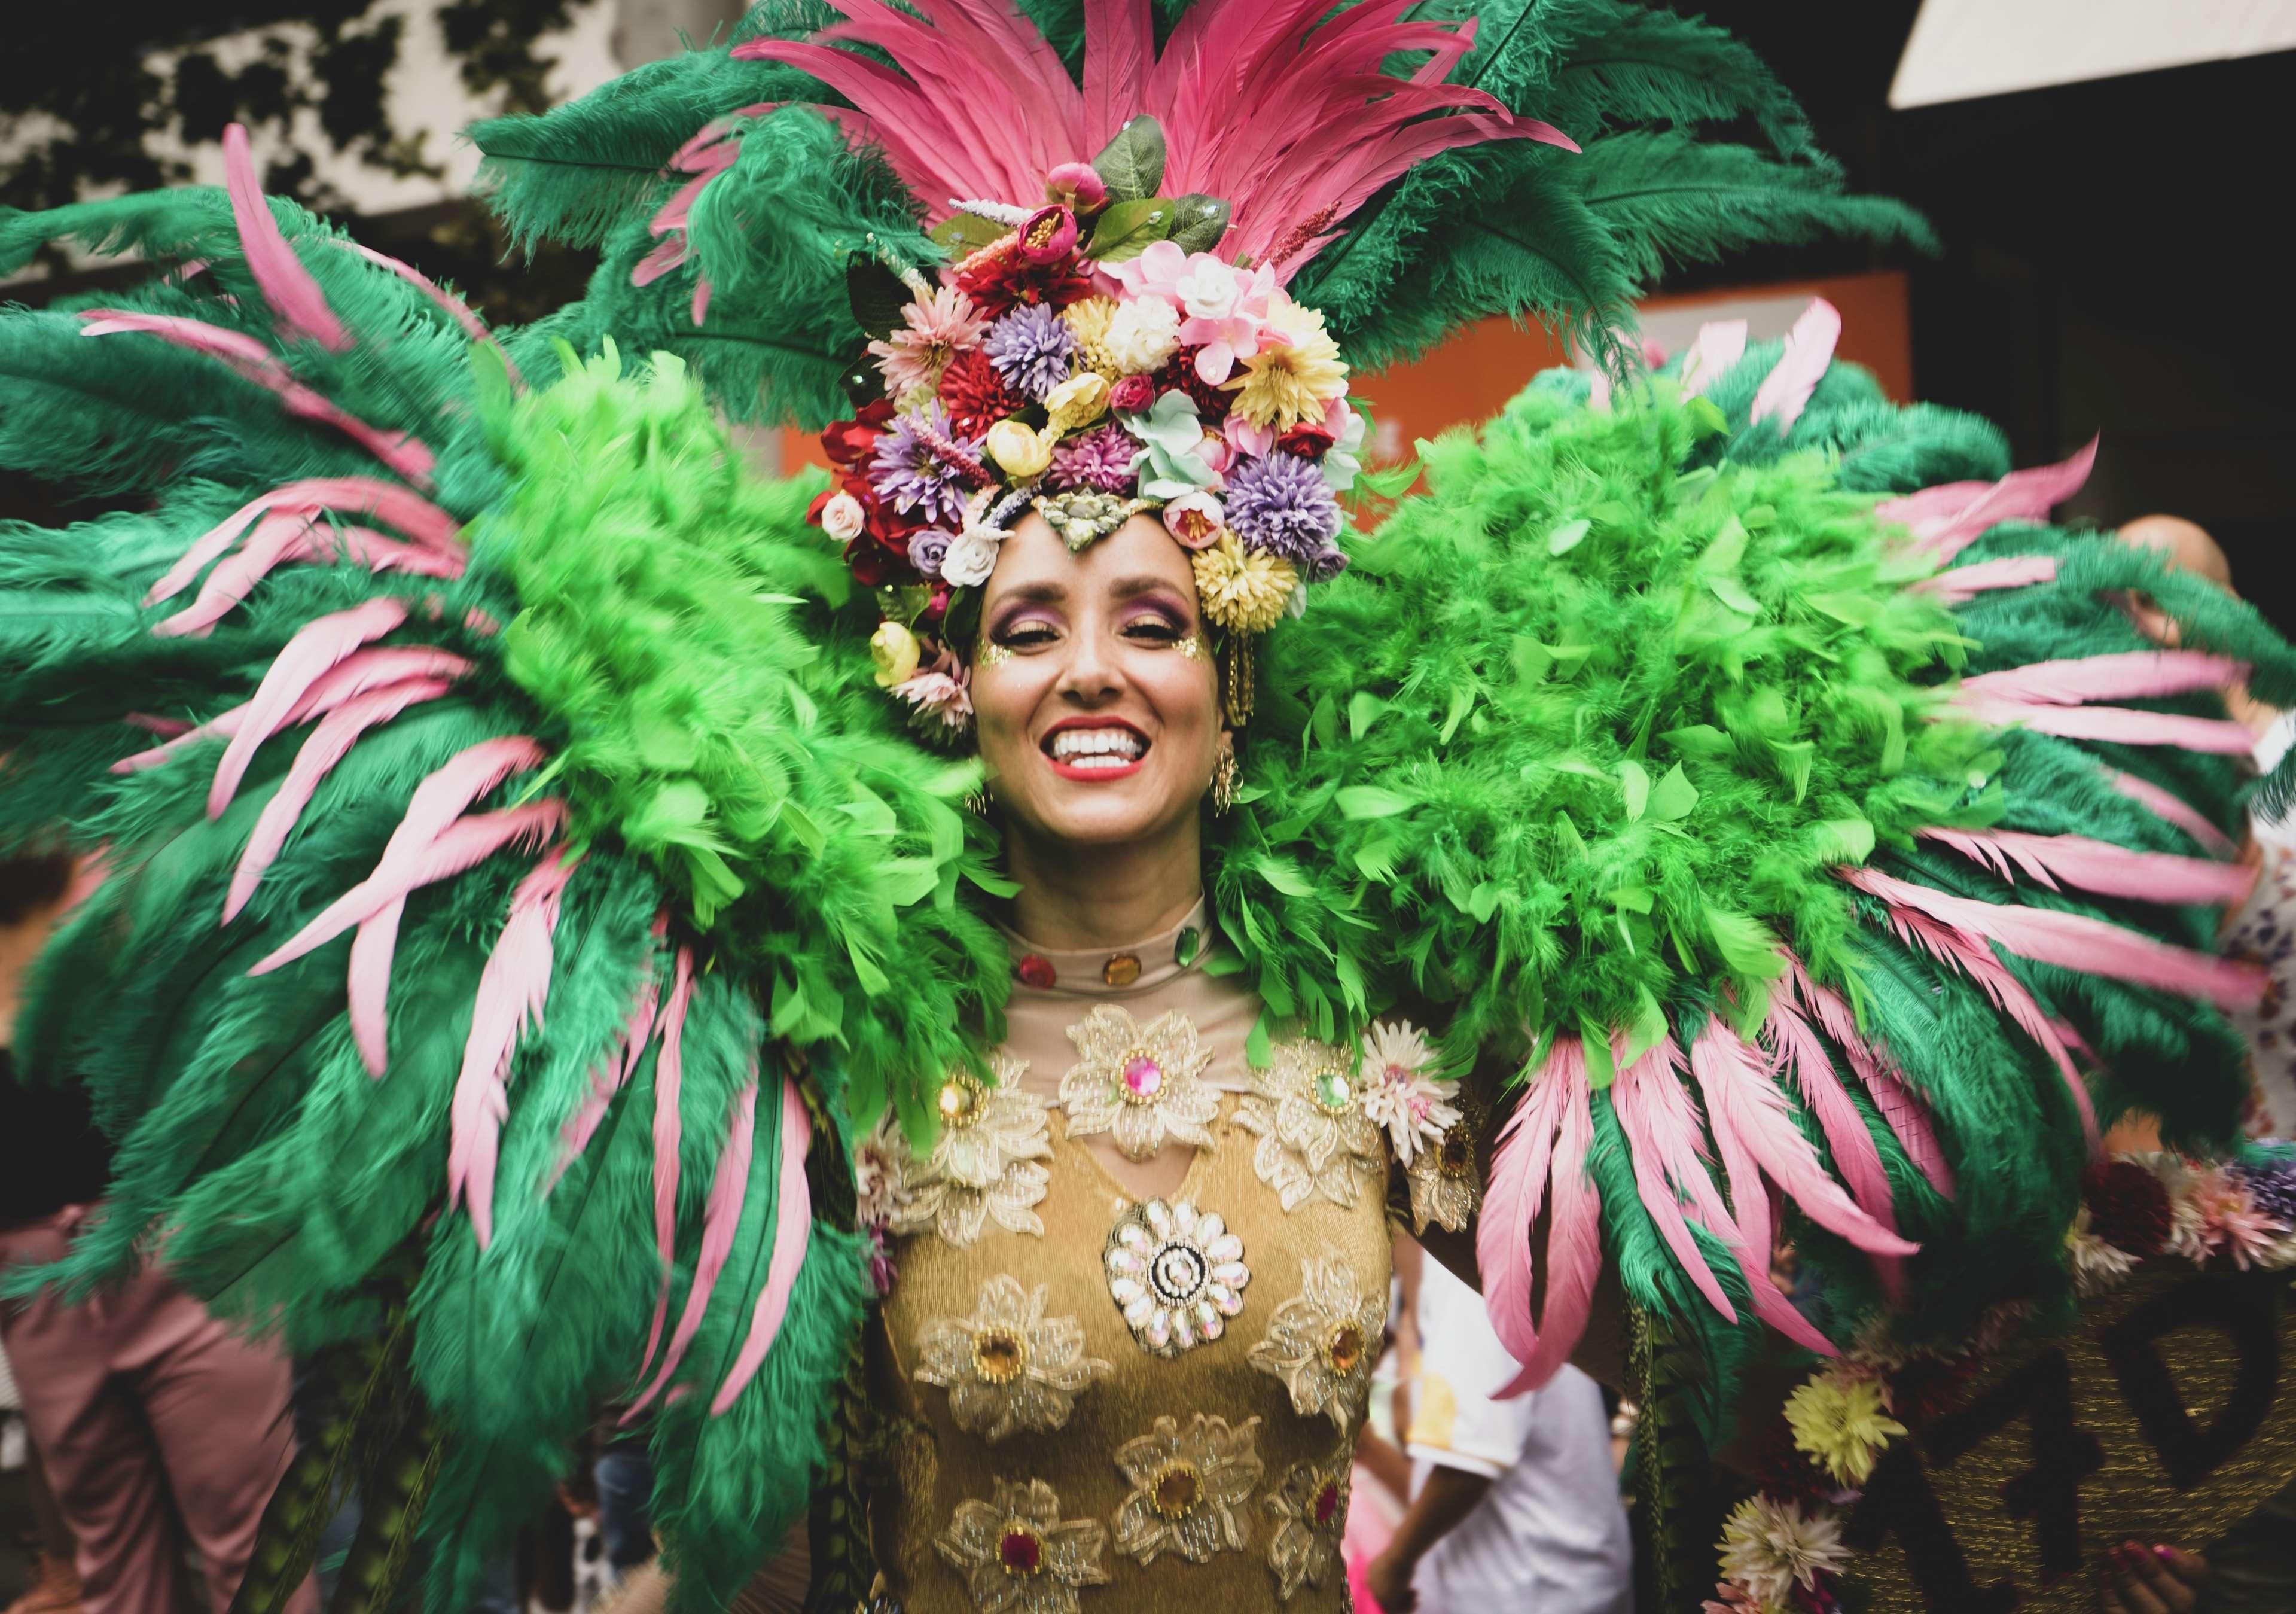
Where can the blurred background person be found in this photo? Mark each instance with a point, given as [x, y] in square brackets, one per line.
[157, 1428]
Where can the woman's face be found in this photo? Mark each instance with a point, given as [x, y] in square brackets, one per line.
[1096, 694]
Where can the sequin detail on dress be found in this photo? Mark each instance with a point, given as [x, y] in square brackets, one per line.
[1314, 1136]
[1309, 1510]
[1446, 1182]
[1008, 1366]
[1323, 1341]
[1017, 1556]
[983, 1165]
[1189, 1489]
[1176, 1274]
[1139, 1084]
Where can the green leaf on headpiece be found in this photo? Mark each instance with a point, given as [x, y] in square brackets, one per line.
[1568, 536]
[1132, 165]
[1733, 593]
[877, 295]
[1129, 229]
[1637, 779]
[1596, 1040]
[1707, 415]
[1199, 222]
[1673, 796]
[962, 234]
[1370, 801]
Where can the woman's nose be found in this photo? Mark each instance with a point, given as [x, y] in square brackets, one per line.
[1091, 673]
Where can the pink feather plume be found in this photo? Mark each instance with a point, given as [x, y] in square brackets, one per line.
[2173, 809]
[387, 502]
[1803, 1058]
[454, 307]
[1720, 344]
[512, 990]
[1785, 392]
[615, 1068]
[721, 1219]
[2100, 866]
[1512, 1201]
[793, 1229]
[2119, 725]
[669, 1073]
[1948, 518]
[2075, 941]
[1902, 1111]
[1574, 1235]
[1957, 585]
[285, 284]
[318, 645]
[1661, 1131]
[2124, 675]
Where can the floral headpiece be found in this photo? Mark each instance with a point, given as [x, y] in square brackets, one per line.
[1087, 360]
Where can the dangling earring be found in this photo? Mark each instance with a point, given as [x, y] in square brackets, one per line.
[976, 801]
[1225, 775]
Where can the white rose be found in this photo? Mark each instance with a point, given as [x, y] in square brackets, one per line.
[842, 517]
[1208, 290]
[972, 556]
[1144, 333]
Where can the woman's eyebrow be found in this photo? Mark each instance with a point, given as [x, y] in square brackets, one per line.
[1132, 588]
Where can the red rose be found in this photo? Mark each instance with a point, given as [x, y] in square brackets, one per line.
[1309, 442]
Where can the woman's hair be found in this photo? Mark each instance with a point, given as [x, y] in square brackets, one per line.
[32, 882]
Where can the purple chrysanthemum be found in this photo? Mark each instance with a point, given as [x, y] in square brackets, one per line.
[2272, 1189]
[1030, 347]
[923, 466]
[1100, 459]
[1280, 504]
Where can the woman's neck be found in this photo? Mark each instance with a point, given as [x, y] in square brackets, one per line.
[1074, 898]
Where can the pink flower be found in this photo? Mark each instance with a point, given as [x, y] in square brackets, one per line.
[940, 693]
[2228, 1221]
[1051, 233]
[1132, 395]
[1155, 272]
[1078, 184]
[933, 332]
[1196, 520]
[1226, 311]
[1244, 438]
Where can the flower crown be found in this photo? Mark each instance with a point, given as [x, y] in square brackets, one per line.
[1089, 361]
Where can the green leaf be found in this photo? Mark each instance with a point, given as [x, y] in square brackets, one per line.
[1393, 482]
[1596, 1040]
[1199, 222]
[1673, 796]
[1649, 1027]
[1370, 801]
[877, 295]
[1747, 945]
[1842, 840]
[1707, 415]
[1285, 878]
[1129, 229]
[1727, 551]
[1364, 710]
[1568, 536]
[1794, 759]
[1733, 593]
[1856, 610]
[1132, 165]
[1463, 700]
[1259, 1049]
[1637, 779]
[962, 234]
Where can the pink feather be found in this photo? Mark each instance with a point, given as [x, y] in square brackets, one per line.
[401, 508]
[1957, 585]
[285, 284]
[316, 646]
[1744, 1105]
[1785, 392]
[1511, 1200]
[1801, 1056]
[2076, 941]
[1661, 1129]
[2124, 675]
[2100, 866]
[2173, 809]
[1721, 343]
[1901, 1110]
[372, 947]
[328, 744]
[512, 989]
[354, 675]
[437, 804]
[793, 1229]
[166, 727]
[1574, 1238]
[721, 1219]
[1119, 49]
[454, 308]
[668, 1072]
[615, 1068]
[2119, 725]
[1947, 519]
[272, 539]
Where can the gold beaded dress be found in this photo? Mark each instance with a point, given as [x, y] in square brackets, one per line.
[1142, 1282]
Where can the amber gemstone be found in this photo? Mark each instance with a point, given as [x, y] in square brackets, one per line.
[1327, 1502]
[1035, 970]
[1121, 969]
[1345, 1347]
[960, 1102]
[1020, 1549]
[1177, 1489]
[999, 1356]
[1453, 1159]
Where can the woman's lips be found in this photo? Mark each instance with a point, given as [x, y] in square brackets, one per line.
[1093, 750]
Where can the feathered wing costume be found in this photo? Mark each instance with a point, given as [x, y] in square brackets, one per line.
[522, 890]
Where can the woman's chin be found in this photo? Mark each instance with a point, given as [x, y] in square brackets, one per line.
[1103, 812]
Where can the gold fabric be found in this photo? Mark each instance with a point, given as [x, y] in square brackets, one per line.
[1175, 1457]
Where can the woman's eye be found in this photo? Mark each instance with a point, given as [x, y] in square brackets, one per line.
[1154, 630]
[1025, 636]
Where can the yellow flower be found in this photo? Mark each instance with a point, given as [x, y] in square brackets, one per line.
[1242, 589]
[1842, 1423]
[1022, 452]
[894, 650]
[1282, 385]
[1077, 401]
[1088, 322]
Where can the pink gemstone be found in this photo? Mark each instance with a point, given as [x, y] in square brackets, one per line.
[1143, 1077]
[1020, 1551]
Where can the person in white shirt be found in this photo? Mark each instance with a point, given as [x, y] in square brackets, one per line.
[1515, 1505]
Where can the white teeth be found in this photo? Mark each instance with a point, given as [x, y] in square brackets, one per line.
[1097, 748]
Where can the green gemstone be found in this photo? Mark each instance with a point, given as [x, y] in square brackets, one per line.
[1332, 1090]
[1184, 950]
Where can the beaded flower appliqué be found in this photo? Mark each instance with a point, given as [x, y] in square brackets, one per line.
[1177, 1275]
[1314, 1136]
[1007, 1366]
[1323, 1341]
[1310, 1513]
[1446, 1184]
[983, 1165]
[1189, 1487]
[1139, 1084]
[1016, 1554]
